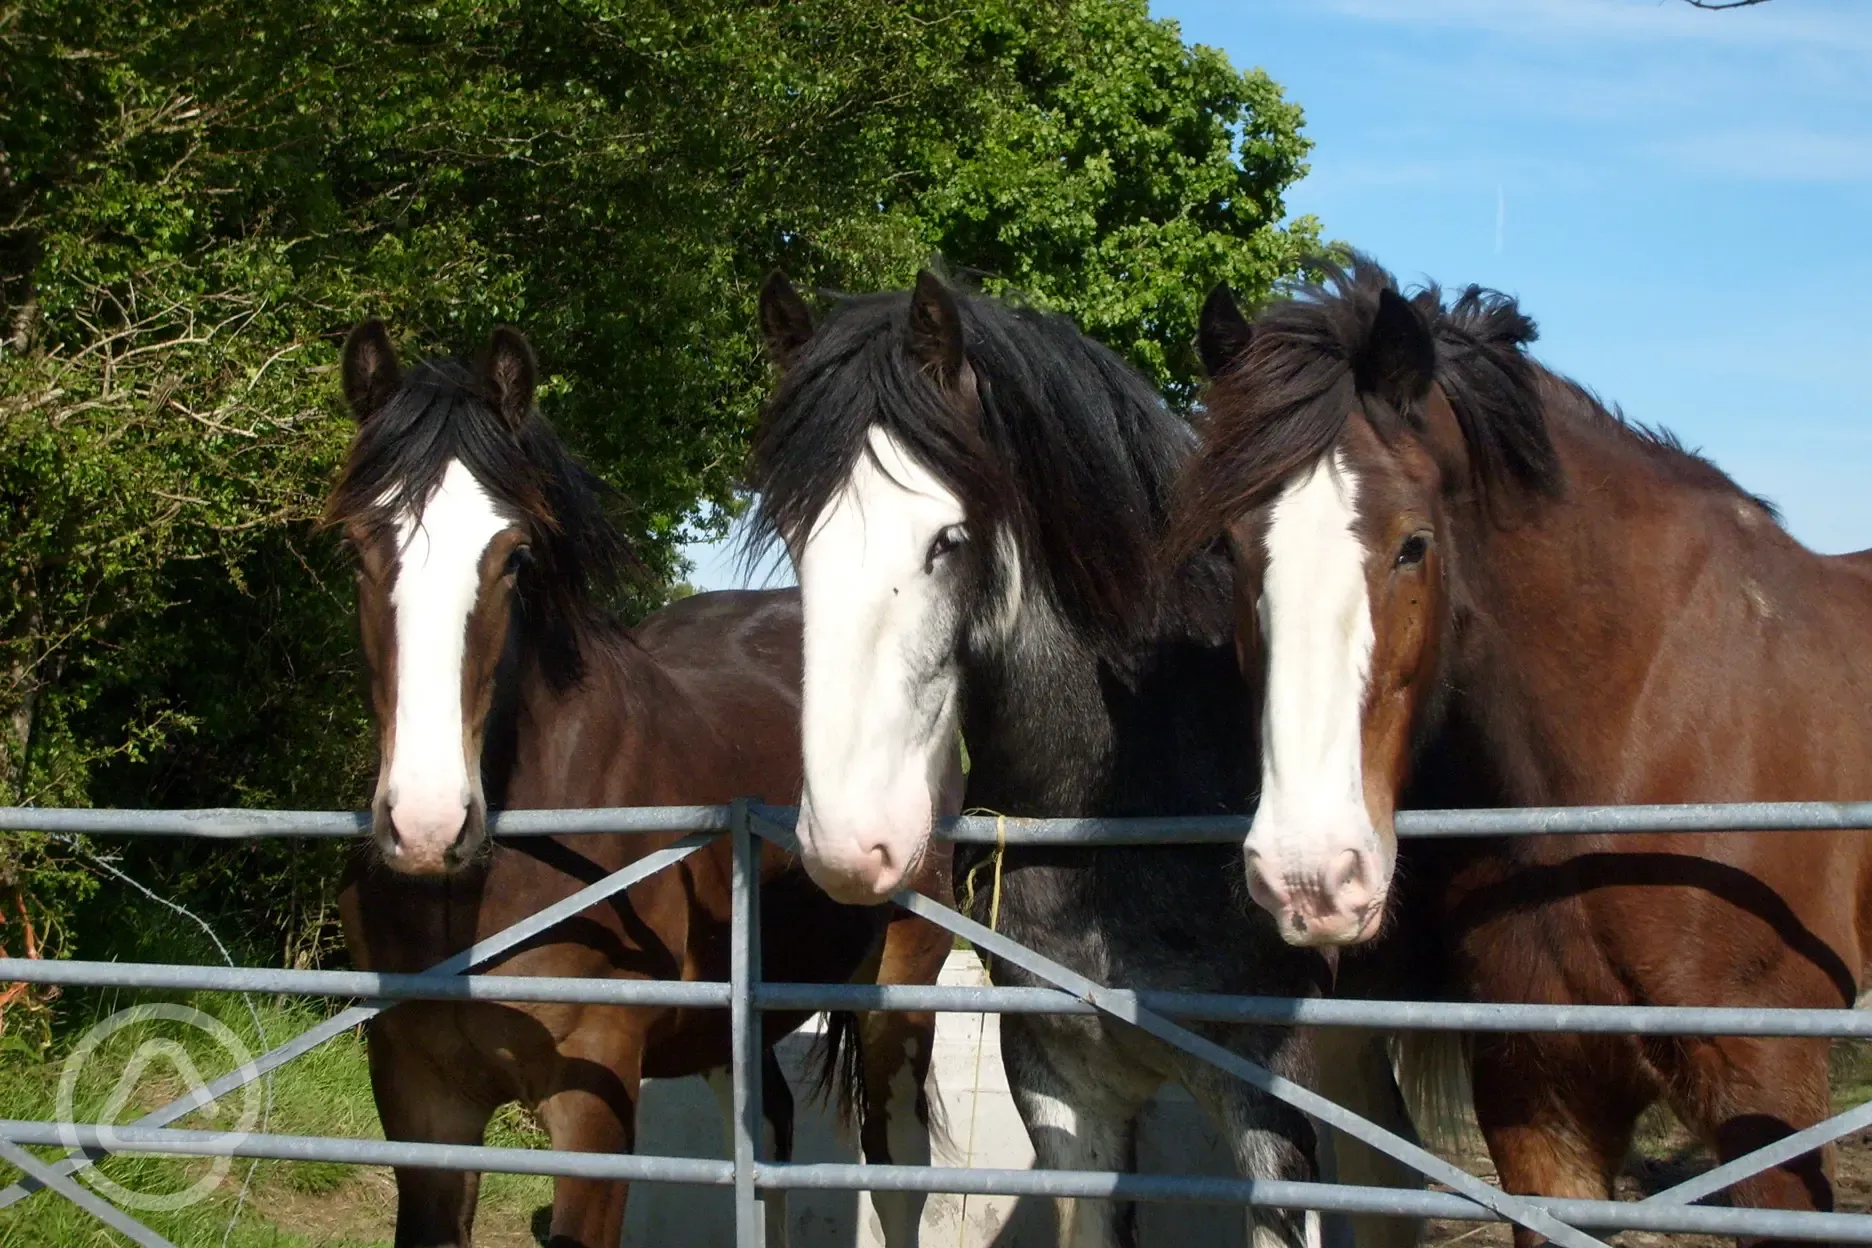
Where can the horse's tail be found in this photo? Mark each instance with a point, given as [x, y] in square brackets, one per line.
[935, 1111]
[841, 1077]
[1432, 1070]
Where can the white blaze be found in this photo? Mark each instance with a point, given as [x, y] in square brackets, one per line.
[438, 579]
[1315, 615]
[880, 697]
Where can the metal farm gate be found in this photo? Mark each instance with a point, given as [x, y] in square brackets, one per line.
[1564, 1221]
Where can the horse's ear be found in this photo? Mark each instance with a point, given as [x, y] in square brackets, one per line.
[512, 371]
[936, 329]
[368, 366]
[786, 322]
[1399, 360]
[1223, 333]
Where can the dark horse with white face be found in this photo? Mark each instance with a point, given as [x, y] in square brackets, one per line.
[498, 680]
[973, 494]
[1464, 583]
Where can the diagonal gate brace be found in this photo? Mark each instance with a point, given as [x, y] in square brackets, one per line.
[460, 964]
[110, 1215]
[1513, 1208]
[1787, 1148]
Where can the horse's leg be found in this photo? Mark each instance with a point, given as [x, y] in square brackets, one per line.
[1558, 1113]
[1740, 1093]
[777, 1120]
[1269, 1140]
[592, 1108]
[1079, 1098]
[1355, 1071]
[776, 1131]
[418, 1099]
[897, 1048]
[896, 1131]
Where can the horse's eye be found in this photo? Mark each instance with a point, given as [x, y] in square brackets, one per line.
[947, 543]
[1412, 552]
[519, 557]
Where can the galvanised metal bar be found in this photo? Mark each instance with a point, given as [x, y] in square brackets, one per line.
[745, 1026]
[1528, 821]
[1201, 1007]
[1327, 1197]
[461, 963]
[1304, 1099]
[1592, 820]
[1649, 1020]
[110, 1215]
[426, 986]
[971, 829]
[242, 824]
[552, 1163]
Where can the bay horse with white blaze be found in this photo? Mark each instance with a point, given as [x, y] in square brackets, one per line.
[484, 554]
[1462, 582]
[973, 494]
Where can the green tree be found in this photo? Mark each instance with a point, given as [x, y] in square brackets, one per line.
[196, 199]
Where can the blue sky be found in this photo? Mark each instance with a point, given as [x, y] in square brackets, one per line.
[1682, 199]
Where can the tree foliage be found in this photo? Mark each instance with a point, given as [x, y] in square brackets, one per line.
[196, 199]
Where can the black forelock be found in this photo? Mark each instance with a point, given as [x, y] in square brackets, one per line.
[1071, 453]
[443, 411]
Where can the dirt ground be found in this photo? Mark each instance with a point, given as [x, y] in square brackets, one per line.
[363, 1211]
[1667, 1159]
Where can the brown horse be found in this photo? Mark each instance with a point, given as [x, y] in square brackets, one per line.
[1464, 583]
[483, 551]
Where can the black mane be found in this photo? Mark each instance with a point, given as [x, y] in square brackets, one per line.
[1283, 402]
[1073, 455]
[444, 410]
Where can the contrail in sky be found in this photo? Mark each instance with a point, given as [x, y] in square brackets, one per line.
[1501, 215]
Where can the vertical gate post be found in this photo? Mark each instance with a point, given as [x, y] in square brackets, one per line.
[744, 1023]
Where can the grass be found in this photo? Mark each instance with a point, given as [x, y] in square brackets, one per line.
[285, 1204]
[1851, 1074]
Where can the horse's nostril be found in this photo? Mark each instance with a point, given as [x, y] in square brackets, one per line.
[1267, 891]
[1348, 868]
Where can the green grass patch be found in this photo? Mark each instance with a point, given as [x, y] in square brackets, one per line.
[1851, 1073]
[146, 1064]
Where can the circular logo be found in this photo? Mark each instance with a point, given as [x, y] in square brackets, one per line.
[161, 1056]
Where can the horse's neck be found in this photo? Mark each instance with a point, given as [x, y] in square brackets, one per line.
[1037, 736]
[578, 743]
[1055, 729]
[1588, 613]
